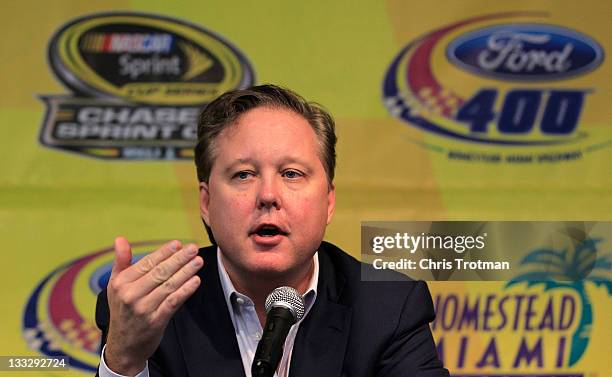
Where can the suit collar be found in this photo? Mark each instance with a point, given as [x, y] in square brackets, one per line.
[205, 327]
[321, 340]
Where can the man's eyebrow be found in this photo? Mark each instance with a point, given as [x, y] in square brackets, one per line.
[292, 160]
[304, 165]
[240, 161]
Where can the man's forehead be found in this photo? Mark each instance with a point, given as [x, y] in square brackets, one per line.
[280, 160]
[269, 128]
[278, 117]
[270, 135]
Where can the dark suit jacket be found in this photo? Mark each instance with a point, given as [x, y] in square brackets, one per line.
[354, 328]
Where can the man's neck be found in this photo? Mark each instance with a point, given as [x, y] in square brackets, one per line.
[259, 287]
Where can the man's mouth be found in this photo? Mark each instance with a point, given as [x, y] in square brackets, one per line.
[268, 230]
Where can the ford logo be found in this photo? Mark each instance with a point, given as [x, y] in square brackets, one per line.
[525, 52]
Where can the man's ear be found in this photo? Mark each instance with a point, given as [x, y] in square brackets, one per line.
[204, 202]
[331, 202]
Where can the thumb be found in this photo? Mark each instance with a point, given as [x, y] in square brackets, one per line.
[123, 255]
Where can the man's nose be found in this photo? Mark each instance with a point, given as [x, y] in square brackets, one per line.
[269, 196]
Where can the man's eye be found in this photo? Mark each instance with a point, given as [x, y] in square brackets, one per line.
[242, 175]
[291, 174]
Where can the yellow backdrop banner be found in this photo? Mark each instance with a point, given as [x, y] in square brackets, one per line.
[445, 110]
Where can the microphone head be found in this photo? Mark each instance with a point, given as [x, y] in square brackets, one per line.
[286, 297]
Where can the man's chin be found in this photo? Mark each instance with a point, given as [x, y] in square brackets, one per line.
[274, 267]
[270, 265]
[276, 262]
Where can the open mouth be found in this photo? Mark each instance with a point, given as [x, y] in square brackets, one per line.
[268, 230]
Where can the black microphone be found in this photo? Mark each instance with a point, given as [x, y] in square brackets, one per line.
[284, 307]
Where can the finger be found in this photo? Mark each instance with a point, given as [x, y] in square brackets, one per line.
[174, 301]
[150, 261]
[164, 271]
[123, 255]
[176, 281]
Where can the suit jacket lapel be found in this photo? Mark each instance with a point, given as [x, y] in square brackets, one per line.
[321, 340]
[204, 327]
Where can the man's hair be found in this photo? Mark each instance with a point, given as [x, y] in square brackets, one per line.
[225, 110]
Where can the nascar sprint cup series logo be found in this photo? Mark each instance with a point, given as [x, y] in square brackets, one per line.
[139, 82]
[494, 85]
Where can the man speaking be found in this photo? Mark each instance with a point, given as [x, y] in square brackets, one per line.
[265, 160]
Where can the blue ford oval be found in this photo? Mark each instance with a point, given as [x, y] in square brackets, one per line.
[525, 52]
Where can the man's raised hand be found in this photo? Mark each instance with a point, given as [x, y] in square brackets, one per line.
[142, 297]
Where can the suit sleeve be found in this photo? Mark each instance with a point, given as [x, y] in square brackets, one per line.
[102, 316]
[102, 320]
[412, 351]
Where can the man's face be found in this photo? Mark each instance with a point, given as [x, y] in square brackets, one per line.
[268, 199]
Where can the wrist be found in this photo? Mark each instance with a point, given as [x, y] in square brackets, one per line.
[119, 362]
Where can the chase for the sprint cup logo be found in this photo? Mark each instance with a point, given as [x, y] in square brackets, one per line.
[497, 89]
[138, 83]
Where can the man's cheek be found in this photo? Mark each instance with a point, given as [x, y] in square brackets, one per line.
[232, 205]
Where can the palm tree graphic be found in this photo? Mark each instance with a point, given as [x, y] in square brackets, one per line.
[565, 269]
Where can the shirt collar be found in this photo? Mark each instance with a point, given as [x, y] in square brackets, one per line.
[231, 294]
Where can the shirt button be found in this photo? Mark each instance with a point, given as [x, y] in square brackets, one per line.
[257, 335]
[240, 300]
